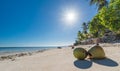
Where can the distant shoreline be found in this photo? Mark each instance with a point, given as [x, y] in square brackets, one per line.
[10, 50]
[13, 56]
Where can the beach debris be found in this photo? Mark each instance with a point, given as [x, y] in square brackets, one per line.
[59, 47]
[80, 53]
[41, 50]
[12, 57]
[72, 47]
[21, 54]
[96, 52]
[7, 57]
[29, 53]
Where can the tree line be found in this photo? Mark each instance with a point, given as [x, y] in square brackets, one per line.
[107, 18]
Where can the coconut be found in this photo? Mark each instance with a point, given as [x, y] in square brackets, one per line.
[80, 53]
[96, 52]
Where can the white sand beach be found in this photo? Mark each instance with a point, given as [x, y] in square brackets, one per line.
[63, 60]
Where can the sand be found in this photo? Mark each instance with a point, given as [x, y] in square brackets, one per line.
[63, 60]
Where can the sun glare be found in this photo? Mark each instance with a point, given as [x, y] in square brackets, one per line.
[70, 16]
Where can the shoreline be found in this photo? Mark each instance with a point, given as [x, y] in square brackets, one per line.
[16, 50]
[14, 55]
[62, 59]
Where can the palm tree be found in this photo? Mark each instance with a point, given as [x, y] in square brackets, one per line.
[99, 3]
[85, 27]
[80, 36]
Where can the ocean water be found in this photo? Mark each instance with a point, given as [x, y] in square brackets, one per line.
[12, 50]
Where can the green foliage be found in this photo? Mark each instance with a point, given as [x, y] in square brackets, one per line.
[110, 17]
[80, 36]
[96, 28]
[107, 18]
[85, 27]
[99, 3]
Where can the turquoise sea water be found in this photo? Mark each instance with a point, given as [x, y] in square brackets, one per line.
[10, 50]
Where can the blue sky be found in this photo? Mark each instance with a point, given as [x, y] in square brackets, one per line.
[37, 22]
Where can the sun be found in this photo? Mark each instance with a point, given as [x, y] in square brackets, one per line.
[70, 17]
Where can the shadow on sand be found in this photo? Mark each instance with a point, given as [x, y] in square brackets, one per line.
[83, 64]
[106, 62]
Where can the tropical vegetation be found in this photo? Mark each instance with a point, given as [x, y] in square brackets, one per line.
[108, 17]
